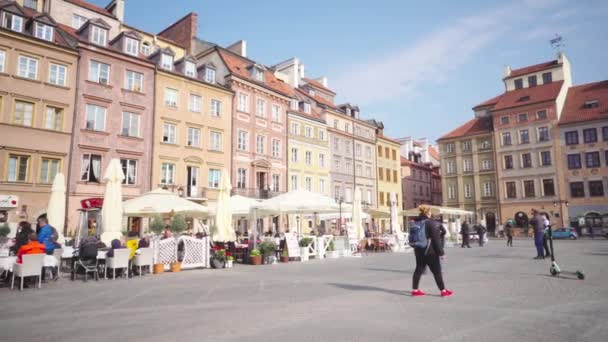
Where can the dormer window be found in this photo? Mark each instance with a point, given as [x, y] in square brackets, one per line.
[293, 104]
[190, 69]
[78, 21]
[591, 104]
[210, 75]
[166, 61]
[306, 107]
[131, 46]
[519, 83]
[33, 4]
[258, 74]
[348, 111]
[146, 49]
[312, 92]
[99, 35]
[44, 32]
[12, 22]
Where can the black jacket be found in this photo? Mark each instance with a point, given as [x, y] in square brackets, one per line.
[433, 232]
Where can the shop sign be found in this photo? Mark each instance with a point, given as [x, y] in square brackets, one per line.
[91, 203]
[9, 201]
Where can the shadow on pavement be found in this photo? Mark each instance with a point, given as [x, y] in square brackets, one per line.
[387, 270]
[353, 287]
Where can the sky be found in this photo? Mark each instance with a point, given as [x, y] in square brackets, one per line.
[418, 66]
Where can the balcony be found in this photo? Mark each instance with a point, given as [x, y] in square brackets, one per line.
[256, 193]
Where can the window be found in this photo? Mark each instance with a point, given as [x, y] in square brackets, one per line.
[307, 110]
[526, 160]
[99, 35]
[2, 60]
[258, 74]
[308, 158]
[96, 118]
[294, 182]
[275, 148]
[308, 182]
[146, 49]
[529, 188]
[508, 162]
[322, 137]
[485, 145]
[368, 171]
[466, 146]
[574, 161]
[368, 152]
[166, 61]
[395, 179]
[53, 118]
[348, 194]
[358, 170]
[259, 144]
[596, 188]
[548, 187]
[451, 166]
[260, 109]
[167, 173]
[243, 103]
[28, 67]
[241, 143]
[321, 160]
[519, 83]
[358, 150]
[511, 191]
[57, 74]
[547, 77]
[12, 22]
[504, 120]
[308, 132]
[293, 104]
[24, 112]
[380, 174]
[545, 158]
[91, 168]
[572, 138]
[322, 186]
[590, 135]
[577, 189]
[468, 191]
[604, 130]
[276, 181]
[169, 133]
[295, 128]
[195, 104]
[467, 165]
[337, 164]
[592, 159]
[336, 144]
[134, 81]
[522, 117]
[214, 178]
[209, 75]
[524, 136]
[18, 167]
[131, 46]
[381, 197]
[591, 104]
[449, 148]
[543, 134]
[48, 170]
[532, 81]
[387, 152]
[216, 108]
[129, 168]
[486, 164]
[541, 114]
[276, 113]
[190, 69]
[171, 97]
[294, 155]
[130, 124]
[451, 192]
[241, 178]
[194, 137]
[78, 21]
[215, 143]
[506, 139]
[99, 72]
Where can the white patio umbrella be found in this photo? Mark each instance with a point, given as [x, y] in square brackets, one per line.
[395, 228]
[357, 223]
[55, 212]
[298, 202]
[111, 212]
[239, 205]
[161, 201]
[224, 232]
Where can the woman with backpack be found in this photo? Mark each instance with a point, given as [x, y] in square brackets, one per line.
[425, 238]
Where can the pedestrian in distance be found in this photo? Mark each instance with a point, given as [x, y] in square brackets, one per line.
[465, 230]
[480, 233]
[546, 235]
[591, 231]
[509, 232]
[425, 238]
[538, 225]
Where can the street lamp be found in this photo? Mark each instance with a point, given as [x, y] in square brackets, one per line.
[340, 200]
[298, 225]
[559, 203]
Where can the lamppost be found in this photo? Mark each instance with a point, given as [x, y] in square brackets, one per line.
[298, 225]
[392, 202]
[561, 214]
[340, 200]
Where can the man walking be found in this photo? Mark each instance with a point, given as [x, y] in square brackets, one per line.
[480, 233]
[538, 225]
[509, 232]
[464, 230]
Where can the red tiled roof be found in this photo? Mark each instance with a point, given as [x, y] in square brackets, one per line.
[319, 99]
[574, 110]
[489, 102]
[382, 136]
[471, 127]
[533, 68]
[541, 93]
[239, 66]
[318, 84]
[69, 30]
[91, 7]
[434, 153]
[405, 161]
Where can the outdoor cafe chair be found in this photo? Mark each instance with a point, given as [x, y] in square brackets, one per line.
[31, 266]
[144, 258]
[120, 260]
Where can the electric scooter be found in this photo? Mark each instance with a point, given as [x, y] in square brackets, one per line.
[554, 269]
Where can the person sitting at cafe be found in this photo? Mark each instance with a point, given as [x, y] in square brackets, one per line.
[144, 242]
[24, 230]
[115, 244]
[46, 235]
[32, 247]
[132, 243]
[167, 234]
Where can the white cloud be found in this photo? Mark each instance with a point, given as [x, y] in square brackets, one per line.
[400, 73]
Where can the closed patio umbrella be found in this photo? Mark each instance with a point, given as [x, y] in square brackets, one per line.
[357, 223]
[111, 212]
[224, 232]
[55, 212]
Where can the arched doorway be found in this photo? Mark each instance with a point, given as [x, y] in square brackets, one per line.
[593, 219]
[491, 222]
[521, 219]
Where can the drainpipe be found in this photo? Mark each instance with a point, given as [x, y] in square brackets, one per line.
[153, 126]
[71, 151]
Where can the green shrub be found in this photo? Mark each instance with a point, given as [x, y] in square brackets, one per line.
[305, 242]
[268, 247]
[331, 247]
[255, 253]
[179, 224]
[157, 225]
[4, 230]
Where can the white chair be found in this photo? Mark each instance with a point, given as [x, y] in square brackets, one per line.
[31, 266]
[145, 258]
[57, 253]
[119, 260]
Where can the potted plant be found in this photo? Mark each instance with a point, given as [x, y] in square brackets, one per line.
[178, 225]
[256, 257]
[331, 250]
[4, 230]
[218, 258]
[285, 255]
[268, 248]
[229, 261]
[304, 248]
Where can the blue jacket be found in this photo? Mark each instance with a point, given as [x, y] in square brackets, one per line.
[46, 237]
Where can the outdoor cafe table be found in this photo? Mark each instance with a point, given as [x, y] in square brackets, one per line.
[7, 263]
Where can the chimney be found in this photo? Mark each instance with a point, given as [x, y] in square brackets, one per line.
[239, 47]
[507, 70]
[117, 8]
[183, 31]
[322, 80]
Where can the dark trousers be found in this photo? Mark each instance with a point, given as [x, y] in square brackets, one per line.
[465, 240]
[509, 240]
[538, 242]
[422, 261]
[546, 246]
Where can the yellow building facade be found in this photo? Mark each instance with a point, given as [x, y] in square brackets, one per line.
[388, 178]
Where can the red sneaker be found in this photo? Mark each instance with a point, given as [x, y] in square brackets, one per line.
[417, 293]
[446, 293]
